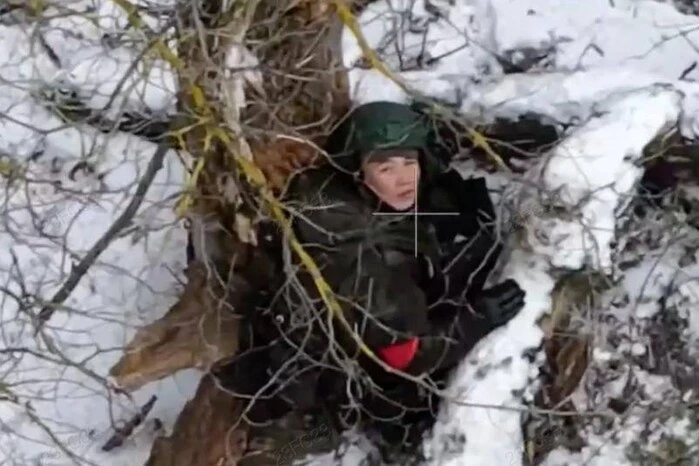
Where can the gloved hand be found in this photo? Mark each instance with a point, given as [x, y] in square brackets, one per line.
[501, 302]
[494, 307]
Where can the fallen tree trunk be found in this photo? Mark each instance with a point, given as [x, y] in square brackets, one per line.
[203, 433]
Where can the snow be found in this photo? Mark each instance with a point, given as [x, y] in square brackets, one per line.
[100, 75]
[619, 72]
[657, 410]
[483, 386]
[638, 34]
[593, 170]
[112, 19]
[133, 282]
[49, 222]
[631, 37]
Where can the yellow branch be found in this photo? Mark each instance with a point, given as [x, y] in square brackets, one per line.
[201, 106]
[255, 175]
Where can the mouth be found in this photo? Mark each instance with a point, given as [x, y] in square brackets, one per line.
[407, 194]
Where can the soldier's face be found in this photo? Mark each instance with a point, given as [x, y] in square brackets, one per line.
[394, 178]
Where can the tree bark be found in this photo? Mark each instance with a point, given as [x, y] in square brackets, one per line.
[203, 434]
[199, 330]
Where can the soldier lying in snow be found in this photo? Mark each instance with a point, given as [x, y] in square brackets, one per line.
[412, 293]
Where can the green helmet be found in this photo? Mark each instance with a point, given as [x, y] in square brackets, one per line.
[374, 126]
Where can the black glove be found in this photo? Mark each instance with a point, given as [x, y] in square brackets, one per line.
[501, 302]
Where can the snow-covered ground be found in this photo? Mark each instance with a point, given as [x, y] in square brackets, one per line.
[622, 72]
[52, 215]
[643, 370]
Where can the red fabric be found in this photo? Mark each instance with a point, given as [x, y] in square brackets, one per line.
[399, 355]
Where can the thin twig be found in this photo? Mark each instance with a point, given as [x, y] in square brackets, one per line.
[122, 433]
[76, 274]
